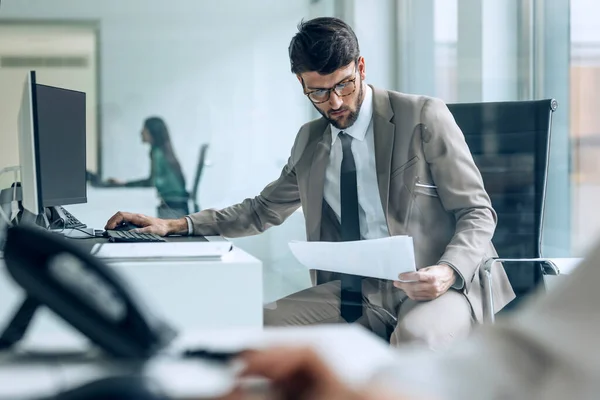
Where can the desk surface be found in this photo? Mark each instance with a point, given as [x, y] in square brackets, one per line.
[351, 351]
[191, 294]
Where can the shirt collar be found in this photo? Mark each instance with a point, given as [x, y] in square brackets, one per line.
[359, 129]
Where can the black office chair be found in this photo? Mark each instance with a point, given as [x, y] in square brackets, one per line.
[510, 143]
[199, 169]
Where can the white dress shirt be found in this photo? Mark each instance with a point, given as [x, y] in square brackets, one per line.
[372, 220]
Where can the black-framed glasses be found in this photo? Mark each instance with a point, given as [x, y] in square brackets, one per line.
[342, 89]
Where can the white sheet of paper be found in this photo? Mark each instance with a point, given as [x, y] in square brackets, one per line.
[168, 250]
[377, 258]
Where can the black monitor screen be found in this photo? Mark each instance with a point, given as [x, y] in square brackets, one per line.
[62, 145]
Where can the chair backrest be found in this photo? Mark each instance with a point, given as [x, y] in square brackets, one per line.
[510, 143]
[199, 169]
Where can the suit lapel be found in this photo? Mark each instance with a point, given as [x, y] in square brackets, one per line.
[383, 131]
[318, 166]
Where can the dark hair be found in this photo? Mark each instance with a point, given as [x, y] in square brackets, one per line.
[160, 138]
[324, 45]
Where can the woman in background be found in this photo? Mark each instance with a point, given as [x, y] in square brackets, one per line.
[165, 172]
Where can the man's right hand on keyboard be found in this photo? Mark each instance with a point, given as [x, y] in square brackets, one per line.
[146, 224]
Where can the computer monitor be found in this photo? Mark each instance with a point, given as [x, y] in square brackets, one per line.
[52, 146]
[61, 123]
[29, 149]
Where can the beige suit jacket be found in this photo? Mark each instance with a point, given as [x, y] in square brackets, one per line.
[428, 183]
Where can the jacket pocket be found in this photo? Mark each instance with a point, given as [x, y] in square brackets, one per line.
[426, 189]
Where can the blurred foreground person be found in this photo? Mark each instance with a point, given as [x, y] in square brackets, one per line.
[547, 350]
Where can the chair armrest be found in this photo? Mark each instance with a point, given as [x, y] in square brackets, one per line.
[485, 276]
[550, 268]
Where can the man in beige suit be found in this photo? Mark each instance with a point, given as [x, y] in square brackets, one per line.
[378, 163]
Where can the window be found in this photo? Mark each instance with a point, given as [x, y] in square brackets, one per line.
[585, 121]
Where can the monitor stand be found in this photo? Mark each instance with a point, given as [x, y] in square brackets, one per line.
[79, 233]
[57, 225]
[51, 219]
[56, 216]
[25, 217]
[59, 218]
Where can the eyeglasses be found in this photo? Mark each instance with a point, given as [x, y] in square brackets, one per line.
[342, 89]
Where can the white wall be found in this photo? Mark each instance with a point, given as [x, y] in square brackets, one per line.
[45, 40]
[217, 71]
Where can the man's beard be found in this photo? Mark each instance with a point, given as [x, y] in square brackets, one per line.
[352, 115]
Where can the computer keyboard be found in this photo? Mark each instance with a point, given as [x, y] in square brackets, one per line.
[70, 222]
[129, 236]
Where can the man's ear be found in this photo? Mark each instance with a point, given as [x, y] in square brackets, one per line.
[301, 81]
[362, 68]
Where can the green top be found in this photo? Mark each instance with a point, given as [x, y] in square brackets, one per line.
[169, 184]
[164, 177]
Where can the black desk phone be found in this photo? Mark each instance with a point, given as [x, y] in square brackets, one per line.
[83, 291]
